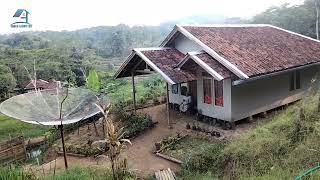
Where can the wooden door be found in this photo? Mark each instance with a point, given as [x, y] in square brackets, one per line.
[193, 91]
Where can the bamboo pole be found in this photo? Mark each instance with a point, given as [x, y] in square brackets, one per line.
[134, 94]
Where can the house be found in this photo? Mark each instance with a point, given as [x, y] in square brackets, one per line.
[40, 84]
[231, 71]
[22, 16]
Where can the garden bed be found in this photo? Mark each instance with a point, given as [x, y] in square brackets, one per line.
[187, 146]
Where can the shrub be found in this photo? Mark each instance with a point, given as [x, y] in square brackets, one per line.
[208, 158]
[135, 124]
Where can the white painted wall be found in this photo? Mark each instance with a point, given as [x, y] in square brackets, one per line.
[175, 98]
[185, 45]
[212, 110]
[264, 94]
[246, 99]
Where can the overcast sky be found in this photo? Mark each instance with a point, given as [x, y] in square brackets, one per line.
[76, 14]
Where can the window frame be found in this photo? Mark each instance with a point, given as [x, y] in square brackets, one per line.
[297, 79]
[204, 100]
[184, 85]
[218, 84]
[172, 89]
[291, 81]
[294, 80]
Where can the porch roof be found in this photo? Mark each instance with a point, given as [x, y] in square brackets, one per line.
[161, 60]
[205, 61]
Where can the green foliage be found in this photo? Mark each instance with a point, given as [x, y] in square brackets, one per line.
[15, 174]
[278, 146]
[135, 124]
[93, 81]
[283, 148]
[82, 148]
[207, 158]
[120, 91]
[87, 174]
[7, 80]
[11, 127]
[300, 18]
[190, 175]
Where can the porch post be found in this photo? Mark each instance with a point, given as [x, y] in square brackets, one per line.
[134, 94]
[168, 111]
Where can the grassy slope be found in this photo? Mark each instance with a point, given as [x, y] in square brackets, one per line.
[11, 127]
[284, 148]
[281, 149]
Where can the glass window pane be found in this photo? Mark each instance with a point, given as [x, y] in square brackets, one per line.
[174, 89]
[184, 89]
[207, 98]
[218, 92]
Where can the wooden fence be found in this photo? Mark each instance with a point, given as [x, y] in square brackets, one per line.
[12, 151]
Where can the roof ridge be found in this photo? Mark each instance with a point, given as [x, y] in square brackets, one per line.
[224, 25]
[233, 68]
[291, 32]
[151, 48]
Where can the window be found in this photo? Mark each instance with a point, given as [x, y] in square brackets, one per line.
[184, 89]
[294, 80]
[218, 92]
[291, 79]
[298, 80]
[207, 98]
[174, 89]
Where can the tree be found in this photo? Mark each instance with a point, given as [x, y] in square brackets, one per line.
[300, 18]
[7, 81]
[93, 81]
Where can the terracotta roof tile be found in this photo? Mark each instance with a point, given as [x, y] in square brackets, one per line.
[258, 50]
[166, 60]
[40, 84]
[215, 65]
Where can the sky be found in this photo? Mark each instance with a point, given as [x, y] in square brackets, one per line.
[60, 15]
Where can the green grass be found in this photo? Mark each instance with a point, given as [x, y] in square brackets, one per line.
[187, 146]
[78, 173]
[283, 148]
[14, 174]
[12, 128]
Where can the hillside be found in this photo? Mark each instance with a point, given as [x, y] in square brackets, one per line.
[285, 147]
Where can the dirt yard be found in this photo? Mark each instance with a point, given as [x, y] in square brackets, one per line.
[140, 156]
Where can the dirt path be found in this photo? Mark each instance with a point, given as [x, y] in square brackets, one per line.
[140, 156]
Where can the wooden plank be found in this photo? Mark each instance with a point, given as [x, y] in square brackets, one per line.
[12, 150]
[166, 173]
[163, 176]
[13, 147]
[157, 174]
[169, 158]
[8, 144]
[173, 176]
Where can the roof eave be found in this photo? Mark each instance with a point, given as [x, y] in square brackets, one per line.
[138, 52]
[207, 49]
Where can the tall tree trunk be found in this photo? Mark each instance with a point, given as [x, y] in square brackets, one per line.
[317, 16]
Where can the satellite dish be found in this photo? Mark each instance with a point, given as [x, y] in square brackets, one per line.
[43, 107]
[57, 106]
